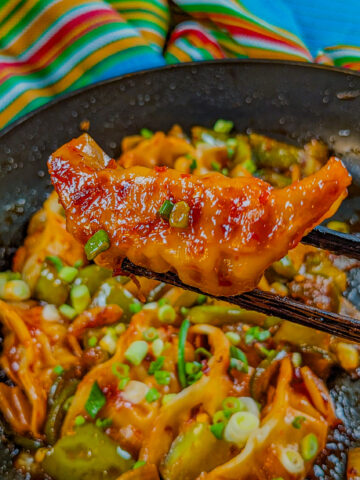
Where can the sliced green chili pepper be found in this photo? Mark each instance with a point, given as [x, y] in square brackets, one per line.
[112, 292]
[50, 288]
[272, 153]
[97, 244]
[220, 315]
[93, 276]
[62, 389]
[86, 455]
[181, 352]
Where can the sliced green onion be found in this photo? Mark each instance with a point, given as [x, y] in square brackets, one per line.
[256, 333]
[152, 395]
[95, 401]
[162, 377]
[166, 209]
[191, 368]
[181, 352]
[16, 290]
[58, 264]
[68, 274]
[79, 420]
[163, 301]
[179, 216]
[150, 334]
[232, 405]
[215, 166]
[79, 263]
[138, 464]
[123, 382]
[217, 429]
[264, 351]
[201, 299]
[292, 461]
[135, 307]
[120, 370]
[298, 421]
[240, 426]
[96, 244]
[194, 377]
[193, 165]
[202, 352]
[58, 370]
[225, 171]
[146, 133]
[249, 165]
[92, 341]
[309, 446]
[184, 311]
[136, 352]
[103, 422]
[67, 311]
[237, 354]
[233, 337]
[223, 126]
[168, 398]
[157, 347]
[80, 297]
[167, 314]
[156, 365]
[220, 417]
[108, 341]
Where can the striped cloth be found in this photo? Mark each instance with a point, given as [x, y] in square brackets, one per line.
[49, 47]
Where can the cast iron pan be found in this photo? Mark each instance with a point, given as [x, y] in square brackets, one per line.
[292, 101]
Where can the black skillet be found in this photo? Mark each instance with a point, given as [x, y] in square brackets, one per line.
[291, 101]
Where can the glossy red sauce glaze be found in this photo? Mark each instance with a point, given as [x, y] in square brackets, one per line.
[237, 226]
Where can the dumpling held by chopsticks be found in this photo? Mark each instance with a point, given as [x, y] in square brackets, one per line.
[217, 233]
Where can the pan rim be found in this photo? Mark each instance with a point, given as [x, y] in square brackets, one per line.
[178, 66]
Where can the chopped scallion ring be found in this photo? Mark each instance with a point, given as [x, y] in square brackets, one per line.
[152, 395]
[98, 243]
[298, 421]
[120, 370]
[68, 274]
[166, 314]
[162, 377]
[223, 126]
[309, 446]
[166, 209]
[146, 133]
[95, 401]
[217, 429]
[136, 352]
[80, 297]
[135, 307]
[156, 365]
[67, 311]
[58, 370]
[150, 334]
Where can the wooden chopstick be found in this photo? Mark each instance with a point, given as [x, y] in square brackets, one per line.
[270, 304]
[336, 242]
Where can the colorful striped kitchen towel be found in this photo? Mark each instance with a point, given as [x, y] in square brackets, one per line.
[49, 47]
